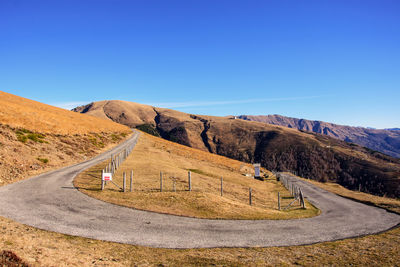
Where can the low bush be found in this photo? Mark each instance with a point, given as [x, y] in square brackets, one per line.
[44, 160]
[115, 137]
[148, 128]
[23, 135]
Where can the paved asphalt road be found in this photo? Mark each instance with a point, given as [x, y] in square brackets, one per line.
[50, 202]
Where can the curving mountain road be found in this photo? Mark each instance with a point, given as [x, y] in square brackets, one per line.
[49, 201]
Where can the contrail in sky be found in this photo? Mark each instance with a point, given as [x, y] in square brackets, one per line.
[229, 102]
[71, 105]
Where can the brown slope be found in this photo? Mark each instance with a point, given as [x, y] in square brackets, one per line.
[123, 112]
[35, 137]
[17, 112]
[277, 148]
[385, 141]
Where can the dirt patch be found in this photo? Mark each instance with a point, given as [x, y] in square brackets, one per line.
[8, 258]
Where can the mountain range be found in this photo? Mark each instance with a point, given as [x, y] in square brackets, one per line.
[386, 141]
[277, 148]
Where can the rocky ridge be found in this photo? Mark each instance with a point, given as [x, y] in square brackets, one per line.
[386, 141]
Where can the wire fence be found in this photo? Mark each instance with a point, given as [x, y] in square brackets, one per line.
[183, 181]
[294, 190]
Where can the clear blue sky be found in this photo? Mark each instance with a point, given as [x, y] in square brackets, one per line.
[337, 61]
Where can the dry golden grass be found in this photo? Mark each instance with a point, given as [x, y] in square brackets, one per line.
[22, 158]
[41, 248]
[38, 117]
[153, 155]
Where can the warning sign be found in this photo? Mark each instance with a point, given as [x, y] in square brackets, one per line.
[107, 176]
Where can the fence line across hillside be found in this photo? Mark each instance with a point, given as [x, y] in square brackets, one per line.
[115, 162]
[168, 183]
[294, 190]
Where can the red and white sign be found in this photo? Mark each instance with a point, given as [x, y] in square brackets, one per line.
[107, 176]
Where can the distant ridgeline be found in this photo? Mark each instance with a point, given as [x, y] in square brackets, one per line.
[386, 141]
[309, 154]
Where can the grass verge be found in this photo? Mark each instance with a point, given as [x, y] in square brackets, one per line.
[41, 248]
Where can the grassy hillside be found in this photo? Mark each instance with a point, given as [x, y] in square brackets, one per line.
[152, 155]
[19, 112]
[24, 153]
[36, 137]
[311, 155]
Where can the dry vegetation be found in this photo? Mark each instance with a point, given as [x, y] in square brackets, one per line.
[41, 248]
[20, 244]
[19, 112]
[277, 148]
[36, 137]
[24, 153]
[153, 155]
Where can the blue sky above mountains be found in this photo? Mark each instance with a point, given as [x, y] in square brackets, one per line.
[336, 61]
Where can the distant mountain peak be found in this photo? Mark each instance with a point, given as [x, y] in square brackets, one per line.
[386, 141]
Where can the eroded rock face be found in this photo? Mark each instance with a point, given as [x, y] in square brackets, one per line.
[309, 154]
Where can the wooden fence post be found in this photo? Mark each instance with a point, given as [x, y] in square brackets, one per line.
[161, 178]
[131, 185]
[250, 200]
[222, 187]
[124, 182]
[279, 201]
[303, 204]
[190, 180]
